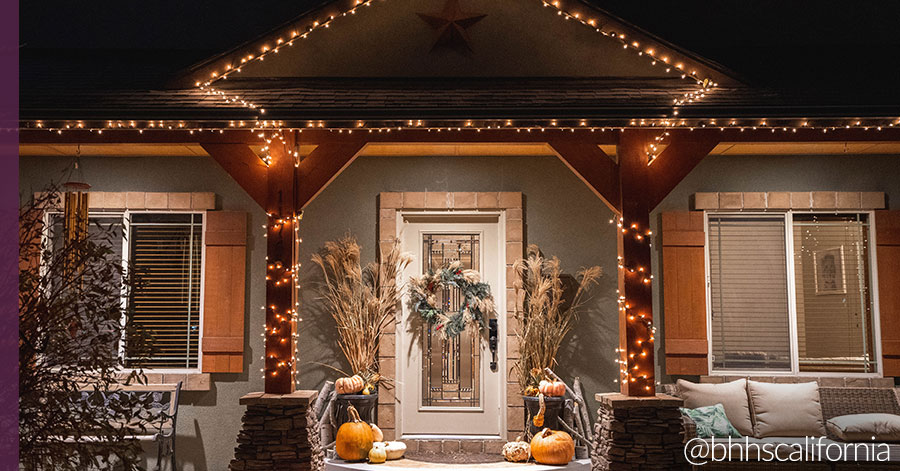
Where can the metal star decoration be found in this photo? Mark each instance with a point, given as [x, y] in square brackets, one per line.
[451, 25]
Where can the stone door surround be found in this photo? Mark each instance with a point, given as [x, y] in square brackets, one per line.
[389, 204]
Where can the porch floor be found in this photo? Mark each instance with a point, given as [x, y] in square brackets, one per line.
[408, 464]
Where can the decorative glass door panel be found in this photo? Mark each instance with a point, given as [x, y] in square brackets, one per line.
[451, 370]
[446, 386]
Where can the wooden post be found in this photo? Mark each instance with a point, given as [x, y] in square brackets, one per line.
[636, 337]
[282, 217]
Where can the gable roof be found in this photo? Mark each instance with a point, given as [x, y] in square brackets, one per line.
[297, 101]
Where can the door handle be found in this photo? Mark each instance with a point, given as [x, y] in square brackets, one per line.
[492, 342]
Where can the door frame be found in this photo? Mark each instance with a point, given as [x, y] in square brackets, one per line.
[497, 218]
[391, 206]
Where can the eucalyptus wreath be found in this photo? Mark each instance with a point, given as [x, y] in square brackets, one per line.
[476, 304]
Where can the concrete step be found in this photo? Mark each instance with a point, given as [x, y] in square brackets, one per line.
[406, 464]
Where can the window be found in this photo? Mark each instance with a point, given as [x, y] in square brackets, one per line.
[164, 251]
[790, 293]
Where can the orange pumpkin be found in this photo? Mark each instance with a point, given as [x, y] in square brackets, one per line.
[553, 447]
[552, 388]
[354, 439]
[351, 385]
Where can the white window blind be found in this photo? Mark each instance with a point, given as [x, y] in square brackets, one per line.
[750, 322]
[165, 253]
[834, 319]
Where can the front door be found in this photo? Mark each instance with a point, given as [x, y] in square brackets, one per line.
[449, 386]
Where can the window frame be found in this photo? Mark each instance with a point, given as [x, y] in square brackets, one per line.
[126, 252]
[788, 216]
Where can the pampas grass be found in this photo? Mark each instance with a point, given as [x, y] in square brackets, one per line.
[362, 300]
[546, 316]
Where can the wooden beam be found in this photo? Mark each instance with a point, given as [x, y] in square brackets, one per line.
[322, 166]
[683, 153]
[636, 337]
[244, 166]
[281, 211]
[594, 167]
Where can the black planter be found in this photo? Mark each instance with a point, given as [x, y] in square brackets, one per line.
[552, 415]
[365, 404]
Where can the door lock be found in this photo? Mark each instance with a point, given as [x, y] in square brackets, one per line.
[492, 342]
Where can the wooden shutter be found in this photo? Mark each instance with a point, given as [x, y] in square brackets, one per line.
[887, 256]
[223, 297]
[684, 293]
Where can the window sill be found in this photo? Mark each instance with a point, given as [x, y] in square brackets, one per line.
[870, 380]
[189, 381]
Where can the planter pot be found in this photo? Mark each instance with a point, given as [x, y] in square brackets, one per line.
[365, 404]
[552, 415]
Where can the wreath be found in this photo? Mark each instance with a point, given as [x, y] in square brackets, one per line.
[477, 302]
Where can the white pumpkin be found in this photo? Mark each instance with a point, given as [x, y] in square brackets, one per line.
[379, 435]
[394, 450]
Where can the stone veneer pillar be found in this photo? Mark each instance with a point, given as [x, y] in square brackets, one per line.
[638, 434]
[278, 432]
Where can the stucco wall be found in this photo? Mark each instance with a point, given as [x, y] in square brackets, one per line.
[208, 422]
[561, 215]
[772, 173]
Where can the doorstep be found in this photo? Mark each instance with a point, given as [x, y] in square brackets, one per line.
[410, 464]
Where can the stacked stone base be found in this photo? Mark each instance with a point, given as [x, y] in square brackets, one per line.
[638, 434]
[279, 432]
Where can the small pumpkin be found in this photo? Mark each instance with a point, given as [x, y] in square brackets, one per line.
[395, 450]
[377, 454]
[516, 451]
[552, 388]
[368, 389]
[349, 385]
[553, 447]
[377, 434]
[354, 439]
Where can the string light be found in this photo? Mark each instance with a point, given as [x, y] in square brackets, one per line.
[781, 125]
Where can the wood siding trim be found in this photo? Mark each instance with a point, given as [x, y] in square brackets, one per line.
[224, 292]
[684, 293]
[887, 253]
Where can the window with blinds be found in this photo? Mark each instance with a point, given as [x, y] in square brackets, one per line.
[749, 293]
[766, 317]
[834, 316]
[165, 253]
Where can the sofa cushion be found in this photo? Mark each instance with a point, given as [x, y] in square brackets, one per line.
[732, 396]
[865, 427]
[785, 410]
[711, 421]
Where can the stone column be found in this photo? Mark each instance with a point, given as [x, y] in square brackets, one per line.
[279, 432]
[638, 434]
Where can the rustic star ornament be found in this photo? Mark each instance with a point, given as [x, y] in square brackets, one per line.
[451, 24]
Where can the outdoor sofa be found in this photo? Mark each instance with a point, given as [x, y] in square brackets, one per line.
[797, 406]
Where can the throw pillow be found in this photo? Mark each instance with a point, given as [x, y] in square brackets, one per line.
[732, 396]
[865, 427]
[711, 422]
[786, 410]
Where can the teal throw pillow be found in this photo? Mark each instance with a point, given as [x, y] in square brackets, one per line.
[711, 422]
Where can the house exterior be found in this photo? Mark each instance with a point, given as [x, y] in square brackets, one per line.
[741, 232]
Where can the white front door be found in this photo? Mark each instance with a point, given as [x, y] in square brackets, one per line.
[449, 386]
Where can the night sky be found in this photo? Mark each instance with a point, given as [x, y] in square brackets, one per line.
[849, 46]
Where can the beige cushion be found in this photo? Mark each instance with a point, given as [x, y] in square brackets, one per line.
[733, 396]
[786, 410]
[865, 427]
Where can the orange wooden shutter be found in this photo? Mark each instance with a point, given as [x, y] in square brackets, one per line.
[684, 293]
[887, 256]
[223, 297]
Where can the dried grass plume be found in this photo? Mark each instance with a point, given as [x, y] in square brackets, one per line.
[546, 316]
[362, 300]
